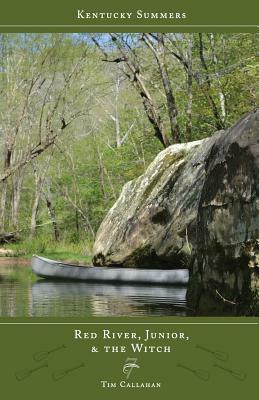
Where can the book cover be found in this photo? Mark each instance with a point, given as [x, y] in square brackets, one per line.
[129, 175]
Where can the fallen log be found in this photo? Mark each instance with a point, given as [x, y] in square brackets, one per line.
[9, 237]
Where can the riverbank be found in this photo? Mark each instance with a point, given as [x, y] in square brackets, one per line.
[23, 251]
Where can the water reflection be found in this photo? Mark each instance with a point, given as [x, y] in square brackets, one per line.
[85, 299]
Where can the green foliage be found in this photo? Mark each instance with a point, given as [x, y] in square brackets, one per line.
[109, 139]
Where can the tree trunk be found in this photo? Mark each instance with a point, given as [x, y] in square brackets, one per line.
[3, 205]
[171, 103]
[138, 82]
[117, 120]
[16, 187]
[221, 94]
[218, 120]
[52, 216]
[189, 91]
[35, 207]
[7, 164]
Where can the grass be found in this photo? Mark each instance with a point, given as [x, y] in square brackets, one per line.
[68, 257]
[70, 252]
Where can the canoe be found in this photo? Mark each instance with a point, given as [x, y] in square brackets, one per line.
[46, 268]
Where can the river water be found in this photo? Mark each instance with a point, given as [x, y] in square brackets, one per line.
[24, 295]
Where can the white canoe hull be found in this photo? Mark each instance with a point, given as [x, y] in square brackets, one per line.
[46, 268]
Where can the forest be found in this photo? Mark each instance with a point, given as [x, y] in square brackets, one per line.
[82, 114]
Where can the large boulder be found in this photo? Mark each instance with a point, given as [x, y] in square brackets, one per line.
[152, 222]
[196, 207]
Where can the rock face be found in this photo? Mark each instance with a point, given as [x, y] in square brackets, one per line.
[197, 207]
[156, 213]
[226, 257]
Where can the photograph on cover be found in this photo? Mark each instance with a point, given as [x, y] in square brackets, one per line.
[129, 174]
